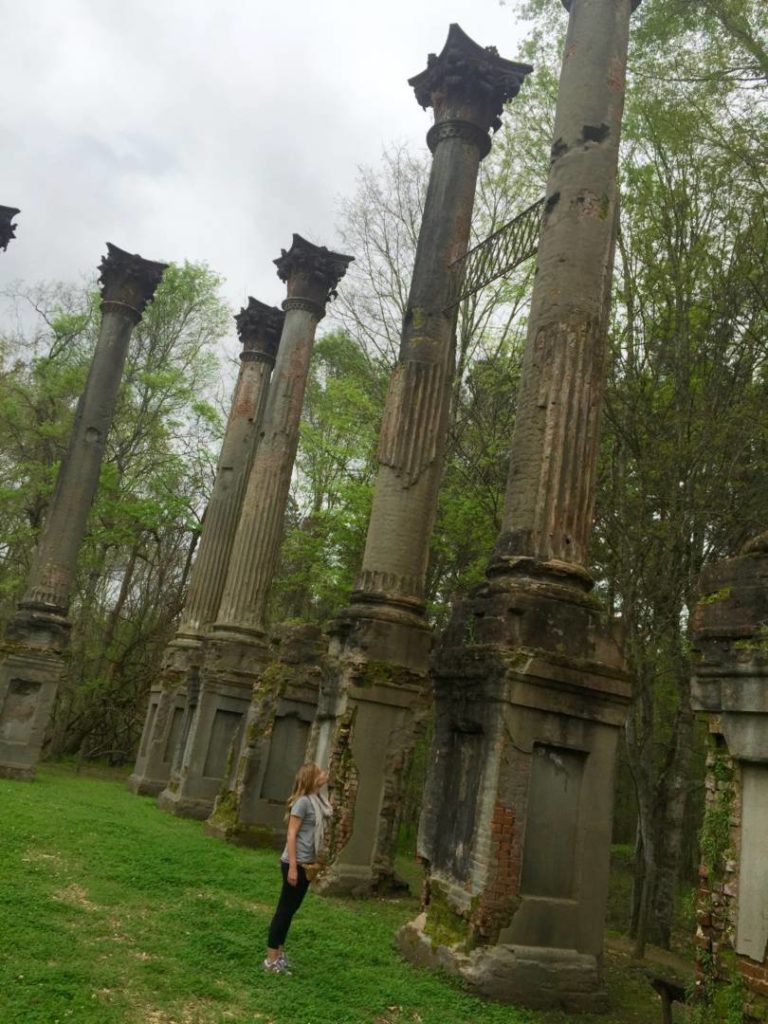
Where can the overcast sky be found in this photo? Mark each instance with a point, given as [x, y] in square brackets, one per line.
[206, 129]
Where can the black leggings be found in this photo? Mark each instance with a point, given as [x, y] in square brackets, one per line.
[290, 900]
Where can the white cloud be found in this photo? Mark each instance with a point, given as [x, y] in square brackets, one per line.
[206, 130]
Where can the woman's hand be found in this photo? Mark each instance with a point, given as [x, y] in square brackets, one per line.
[293, 875]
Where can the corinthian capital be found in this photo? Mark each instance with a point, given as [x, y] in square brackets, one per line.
[259, 328]
[311, 272]
[468, 82]
[127, 281]
[7, 230]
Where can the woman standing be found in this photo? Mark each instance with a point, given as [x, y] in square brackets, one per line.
[308, 815]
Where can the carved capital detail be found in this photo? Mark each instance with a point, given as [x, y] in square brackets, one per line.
[464, 70]
[322, 267]
[307, 305]
[7, 230]
[259, 327]
[459, 130]
[128, 282]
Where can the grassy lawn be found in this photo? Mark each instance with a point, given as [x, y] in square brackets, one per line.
[112, 912]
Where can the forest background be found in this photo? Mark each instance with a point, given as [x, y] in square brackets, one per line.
[684, 465]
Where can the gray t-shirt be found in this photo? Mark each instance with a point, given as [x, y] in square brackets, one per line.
[305, 840]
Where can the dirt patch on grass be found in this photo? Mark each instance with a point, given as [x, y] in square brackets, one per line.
[50, 860]
[75, 896]
[190, 1013]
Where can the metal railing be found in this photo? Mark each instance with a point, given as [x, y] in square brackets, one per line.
[497, 254]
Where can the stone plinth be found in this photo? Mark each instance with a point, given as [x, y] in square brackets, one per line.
[37, 636]
[216, 724]
[531, 694]
[259, 327]
[251, 811]
[168, 712]
[379, 657]
[371, 709]
[730, 686]
[236, 648]
[7, 229]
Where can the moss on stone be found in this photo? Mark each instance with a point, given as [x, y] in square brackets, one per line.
[717, 595]
[444, 925]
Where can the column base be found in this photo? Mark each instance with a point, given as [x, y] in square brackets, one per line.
[531, 692]
[250, 810]
[163, 730]
[8, 771]
[541, 978]
[372, 708]
[184, 807]
[359, 881]
[29, 680]
[230, 668]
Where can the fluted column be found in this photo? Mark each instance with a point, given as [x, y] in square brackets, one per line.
[531, 686]
[38, 632]
[466, 86]
[311, 273]
[551, 483]
[236, 648]
[7, 229]
[128, 283]
[259, 327]
[374, 696]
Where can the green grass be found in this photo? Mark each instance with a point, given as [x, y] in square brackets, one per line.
[112, 912]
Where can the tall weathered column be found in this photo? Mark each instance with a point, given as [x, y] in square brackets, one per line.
[7, 229]
[37, 635]
[237, 647]
[730, 685]
[530, 682]
[376, 689]
[258, 327]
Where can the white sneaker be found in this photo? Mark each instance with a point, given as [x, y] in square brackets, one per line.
[275, 966]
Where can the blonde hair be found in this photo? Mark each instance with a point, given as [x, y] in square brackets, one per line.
[304, 783]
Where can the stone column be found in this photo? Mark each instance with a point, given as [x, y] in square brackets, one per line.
[730, 686]
[7, 230]
[376, 691]
[38, 634]
[258, 327]
[237, 647]
[530, 682]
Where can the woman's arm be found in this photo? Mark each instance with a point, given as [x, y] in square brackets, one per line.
[294, 824]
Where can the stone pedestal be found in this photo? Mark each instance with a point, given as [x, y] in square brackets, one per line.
[7, 229]
[377, 687]
[730, 686]
[237, 648]
[282, 709]
[531, 693]
[216, 710]
[31, 655]
[259, 327]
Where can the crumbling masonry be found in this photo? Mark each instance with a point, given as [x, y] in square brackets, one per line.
[730, 685]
